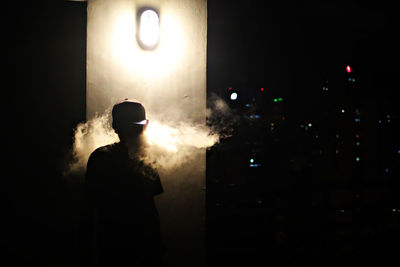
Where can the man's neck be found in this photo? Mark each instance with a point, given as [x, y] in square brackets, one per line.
[134, 147]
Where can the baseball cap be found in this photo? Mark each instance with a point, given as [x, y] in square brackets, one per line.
[128, 111]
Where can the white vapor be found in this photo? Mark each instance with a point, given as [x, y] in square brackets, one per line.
[88, 136]
[167, 145]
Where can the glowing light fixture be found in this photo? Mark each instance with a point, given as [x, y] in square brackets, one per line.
[148, 31]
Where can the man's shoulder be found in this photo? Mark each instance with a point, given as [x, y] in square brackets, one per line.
[104, 151]
[150, 171]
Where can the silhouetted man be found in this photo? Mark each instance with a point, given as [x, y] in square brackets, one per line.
[120, 190]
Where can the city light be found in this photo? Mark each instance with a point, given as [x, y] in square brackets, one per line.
[234, 96]
[254, 165]
[254, 116]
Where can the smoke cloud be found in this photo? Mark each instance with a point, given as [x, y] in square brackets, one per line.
[88, 136]
[168, 145]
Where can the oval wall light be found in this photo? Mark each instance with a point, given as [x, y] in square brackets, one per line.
[148, 28]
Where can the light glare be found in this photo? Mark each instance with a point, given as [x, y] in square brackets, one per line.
[149, 29]
[134, 62]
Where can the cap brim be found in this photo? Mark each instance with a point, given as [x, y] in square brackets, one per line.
[143, 122]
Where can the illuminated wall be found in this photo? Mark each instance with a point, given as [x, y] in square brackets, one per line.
[171, 82]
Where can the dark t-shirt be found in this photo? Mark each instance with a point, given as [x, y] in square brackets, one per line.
[121, 191]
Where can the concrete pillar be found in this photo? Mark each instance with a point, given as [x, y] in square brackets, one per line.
[171, 82]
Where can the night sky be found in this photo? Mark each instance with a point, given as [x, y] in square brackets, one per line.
[295, 43]
[287, 47]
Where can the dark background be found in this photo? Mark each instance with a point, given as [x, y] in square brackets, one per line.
[279, 213]
[43, 99]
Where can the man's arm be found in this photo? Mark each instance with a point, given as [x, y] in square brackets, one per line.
[88, 231]
[153, 175]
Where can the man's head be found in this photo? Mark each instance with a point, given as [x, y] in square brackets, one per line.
[129, 119]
